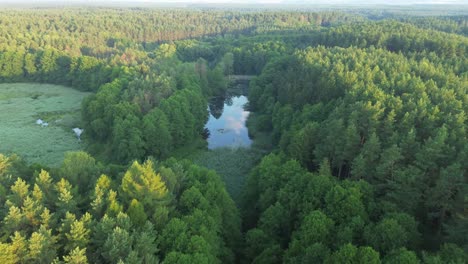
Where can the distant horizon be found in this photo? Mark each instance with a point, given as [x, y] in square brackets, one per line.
[246, 2]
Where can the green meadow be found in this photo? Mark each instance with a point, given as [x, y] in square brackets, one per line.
[233, 164]
[21, 104]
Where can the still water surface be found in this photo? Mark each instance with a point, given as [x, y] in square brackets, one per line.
[227, 119]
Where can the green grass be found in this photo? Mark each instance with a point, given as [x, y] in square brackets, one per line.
[187, 151]
[233, 164]
[21, 104]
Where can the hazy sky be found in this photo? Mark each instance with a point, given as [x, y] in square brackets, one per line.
[258, 3]
[261, 1]
[318, 1]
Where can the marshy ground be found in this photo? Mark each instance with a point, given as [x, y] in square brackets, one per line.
[22, 104]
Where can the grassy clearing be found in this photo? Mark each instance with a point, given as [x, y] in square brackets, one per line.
[21, 104]
[233, 164]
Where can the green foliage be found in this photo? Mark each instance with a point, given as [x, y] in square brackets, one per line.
[142, 183]
[77, 256]
[136, 212]
[350, 254]
[401, 255]
[66, 197]
[158, 140]
[41, 247]
[367, 122]
[127, 139]
[8, 255]
[315, 228]
[81, 170]
[315, 218]
[193, 216]
[396, 129]
[387, 235]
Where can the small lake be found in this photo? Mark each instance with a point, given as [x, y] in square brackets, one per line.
[228, 116]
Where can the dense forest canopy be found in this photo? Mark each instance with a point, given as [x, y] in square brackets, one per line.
[364, 111]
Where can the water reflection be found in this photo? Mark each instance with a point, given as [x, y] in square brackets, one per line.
[227, 120]
[216, 106]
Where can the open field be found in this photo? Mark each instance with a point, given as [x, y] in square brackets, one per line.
[21, 104]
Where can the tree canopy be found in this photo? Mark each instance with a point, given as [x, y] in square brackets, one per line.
[365, 112]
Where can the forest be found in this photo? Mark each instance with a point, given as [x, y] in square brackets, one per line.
[358, 120]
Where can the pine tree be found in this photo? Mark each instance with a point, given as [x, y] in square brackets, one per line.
[158, 140]
[19, 192]
[76, 256]
[8, 256]
[101, 192]
[45, 184]
[65, 197]
[80, 169]
[19, 245]
[42, 248]
[117, 246]
[137, 214]
[144, 184]
[79, 234]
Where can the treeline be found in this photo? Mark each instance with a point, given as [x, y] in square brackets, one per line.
[86, 48]
[397, 37]
[52, 66]
[452, 24]
[392, 122]
[443, 49]
[106, 32]
[171, 212]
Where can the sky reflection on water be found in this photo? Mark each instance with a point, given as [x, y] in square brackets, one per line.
[229, 129]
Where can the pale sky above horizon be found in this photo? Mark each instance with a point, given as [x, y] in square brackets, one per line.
[252, 1]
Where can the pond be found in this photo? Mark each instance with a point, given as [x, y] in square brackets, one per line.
[228, 116]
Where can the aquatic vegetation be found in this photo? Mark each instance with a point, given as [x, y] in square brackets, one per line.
[22, 105]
